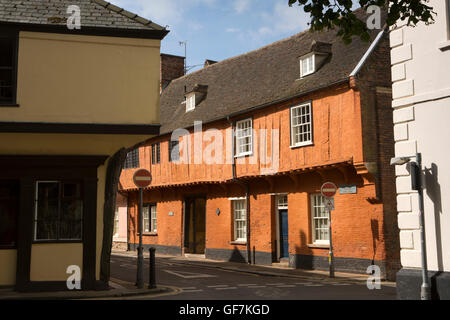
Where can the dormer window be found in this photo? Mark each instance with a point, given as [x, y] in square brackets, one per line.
[307, 65]
[190, 102]
[318, 55]
[195, 97]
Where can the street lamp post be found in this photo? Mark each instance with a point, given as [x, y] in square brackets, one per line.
[416, 179]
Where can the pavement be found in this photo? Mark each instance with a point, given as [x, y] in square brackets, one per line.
[122, 284]
[200, 279]
[118, 289]
[275, 270]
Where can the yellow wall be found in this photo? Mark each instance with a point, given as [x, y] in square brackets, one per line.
[86, 79]
[49, 262]
[65, 144]
[8, 263]
[78, 79]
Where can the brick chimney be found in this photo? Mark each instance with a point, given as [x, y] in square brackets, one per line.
[172, 67]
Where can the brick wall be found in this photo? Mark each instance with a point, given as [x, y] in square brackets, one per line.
[374, 84]
[172, 67]
[349, 123]
[358, 230]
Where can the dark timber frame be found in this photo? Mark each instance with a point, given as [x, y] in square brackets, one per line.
[29, 169]
[78, 128]
[114, 169]
[12, 34]
[89, 31]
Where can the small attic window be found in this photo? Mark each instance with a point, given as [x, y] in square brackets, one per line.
[307, 65]
[190, 102]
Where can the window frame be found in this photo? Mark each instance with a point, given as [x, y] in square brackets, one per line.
[171, 143]
[313, 219]
[311, 56]
[14, 35]
[156, 153]
[236, 138]
[153, 220]
[133, 163]
[235, 221]
[190, 102]
[151, 224]
[116, 220]
[59, 239]
[311, 125]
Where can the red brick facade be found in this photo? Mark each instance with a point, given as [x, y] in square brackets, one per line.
[353, 142]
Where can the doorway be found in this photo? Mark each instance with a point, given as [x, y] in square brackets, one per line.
[195, 225]
[283, 227]
[284, 234]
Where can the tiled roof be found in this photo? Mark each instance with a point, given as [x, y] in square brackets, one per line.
[259, 78]
[94, 13]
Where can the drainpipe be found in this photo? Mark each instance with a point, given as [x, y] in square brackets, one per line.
[246, 188]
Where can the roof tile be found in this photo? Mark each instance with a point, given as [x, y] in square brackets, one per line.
[94, 13]
[259, 78]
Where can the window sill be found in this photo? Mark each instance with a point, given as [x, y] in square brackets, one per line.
[150, 234]
[9, 105]
[243, 155]
[302, 145]
[443, 46]
[319, 246]
[238, 243]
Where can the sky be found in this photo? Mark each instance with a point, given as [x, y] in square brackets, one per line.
[219, 29]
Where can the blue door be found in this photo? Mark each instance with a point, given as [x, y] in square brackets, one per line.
[284, 234]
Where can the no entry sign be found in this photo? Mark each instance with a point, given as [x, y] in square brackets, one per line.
[142, 178]
[328, 189]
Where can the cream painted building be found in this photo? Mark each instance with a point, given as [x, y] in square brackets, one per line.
[72, 102]
[421, 93]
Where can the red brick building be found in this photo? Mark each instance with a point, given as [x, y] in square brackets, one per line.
[276, 123]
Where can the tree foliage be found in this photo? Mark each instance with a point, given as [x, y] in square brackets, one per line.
[330, 14]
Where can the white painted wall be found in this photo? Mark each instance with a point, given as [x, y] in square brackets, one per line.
[122, 230]
[421, 92]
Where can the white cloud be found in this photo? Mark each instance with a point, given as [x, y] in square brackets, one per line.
[288, 19]
[280, 21]
[233, 30]
[241, 6]
[164, 12]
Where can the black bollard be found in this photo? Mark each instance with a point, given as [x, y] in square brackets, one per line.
[152, 269]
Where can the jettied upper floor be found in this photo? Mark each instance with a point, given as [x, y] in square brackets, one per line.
[72, 102]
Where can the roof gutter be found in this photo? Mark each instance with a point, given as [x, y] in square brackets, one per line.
[368, 53]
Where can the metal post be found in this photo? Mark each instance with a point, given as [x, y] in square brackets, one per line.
[140, 260]
[152, 269]
[331, 256]
[425, 290]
